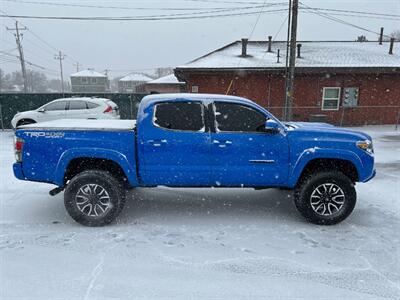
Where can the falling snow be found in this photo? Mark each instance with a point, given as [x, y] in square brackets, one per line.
[212, 243]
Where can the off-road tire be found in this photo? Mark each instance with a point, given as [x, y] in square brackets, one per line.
[307, 188]
[114, 192]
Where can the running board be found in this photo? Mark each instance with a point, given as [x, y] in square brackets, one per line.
[55, 191]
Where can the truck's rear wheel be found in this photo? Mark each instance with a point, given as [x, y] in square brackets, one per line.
[94, 198]
[325, 198]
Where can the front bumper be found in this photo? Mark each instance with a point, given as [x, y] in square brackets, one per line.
[370, 177]
[18, 173]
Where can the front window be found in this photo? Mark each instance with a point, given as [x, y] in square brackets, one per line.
[330, 98]
[84, 80]
[93, 80]
[59, 105]
[236, 117]
[186, 116]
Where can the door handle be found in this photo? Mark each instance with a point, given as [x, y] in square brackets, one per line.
[157, 143]
[222, 144]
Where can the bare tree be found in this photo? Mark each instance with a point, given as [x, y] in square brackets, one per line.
[160, 72]
[361, 38]
[394, 34]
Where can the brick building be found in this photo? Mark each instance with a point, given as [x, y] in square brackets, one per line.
[350, 83]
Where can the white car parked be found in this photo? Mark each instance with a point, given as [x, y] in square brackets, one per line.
[69, 108]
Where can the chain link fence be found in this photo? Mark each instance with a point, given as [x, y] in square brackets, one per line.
[11, 103]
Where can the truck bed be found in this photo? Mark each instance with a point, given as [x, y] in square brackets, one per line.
[83, 124]
[50, 147]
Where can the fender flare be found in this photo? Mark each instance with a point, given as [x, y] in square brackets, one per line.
[317, 153]
[107, 154]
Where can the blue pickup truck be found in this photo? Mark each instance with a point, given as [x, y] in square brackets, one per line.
[194, 140]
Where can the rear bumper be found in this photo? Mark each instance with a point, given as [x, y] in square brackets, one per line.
[18, 173]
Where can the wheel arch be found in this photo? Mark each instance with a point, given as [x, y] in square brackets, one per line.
[74, 161]
[344, 161]
[31, 121]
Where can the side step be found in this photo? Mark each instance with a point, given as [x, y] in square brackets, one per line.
[55, 191]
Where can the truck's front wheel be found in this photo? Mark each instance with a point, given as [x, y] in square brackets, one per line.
[325, 198]
[94, 198]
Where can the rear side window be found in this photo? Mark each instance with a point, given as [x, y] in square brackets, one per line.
[91, 105]
[235, 117]
[59, 105]
[77, 104]
[186, 116]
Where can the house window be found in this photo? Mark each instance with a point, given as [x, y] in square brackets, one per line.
[84, 80]
[93, 80]
[330, 98]
[195, 88]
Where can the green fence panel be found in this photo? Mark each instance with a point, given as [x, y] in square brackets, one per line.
[11, 103]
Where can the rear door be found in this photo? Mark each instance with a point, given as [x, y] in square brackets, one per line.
[77, 109]
[174, 145]
[243, 153]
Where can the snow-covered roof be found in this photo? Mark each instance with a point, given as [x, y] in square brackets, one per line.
[313, 55]
[169, 79]
[87, 73]
[136, 77]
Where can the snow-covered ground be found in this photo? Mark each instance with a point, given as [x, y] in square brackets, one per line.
[202, 243]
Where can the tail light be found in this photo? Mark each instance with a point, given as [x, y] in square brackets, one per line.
[108, 110]
[18, 147]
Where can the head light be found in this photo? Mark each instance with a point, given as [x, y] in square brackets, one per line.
[366, 145]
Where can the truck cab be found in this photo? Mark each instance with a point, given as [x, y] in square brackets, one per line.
[210, 141]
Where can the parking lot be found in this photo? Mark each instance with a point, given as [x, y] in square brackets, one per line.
[202, 243]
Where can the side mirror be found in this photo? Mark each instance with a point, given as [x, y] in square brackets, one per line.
[42, 110]
[271, 126]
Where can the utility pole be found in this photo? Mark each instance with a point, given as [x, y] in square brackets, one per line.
[292, 61]
[18, 36]
[60, 57]
[77, 64]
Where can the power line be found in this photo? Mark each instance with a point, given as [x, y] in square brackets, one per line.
[327, 16]
[141, 18]
[352, 11]
[357, 16]
[16, 57]
[129, 7]
[229, 2]
[36, 35]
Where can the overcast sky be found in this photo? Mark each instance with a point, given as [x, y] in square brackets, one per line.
[125, 46]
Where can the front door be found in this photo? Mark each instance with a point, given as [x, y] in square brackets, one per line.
[52, 111]
[244, 154]
[174, 145]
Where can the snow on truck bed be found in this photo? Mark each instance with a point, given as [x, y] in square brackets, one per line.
[79, 124]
